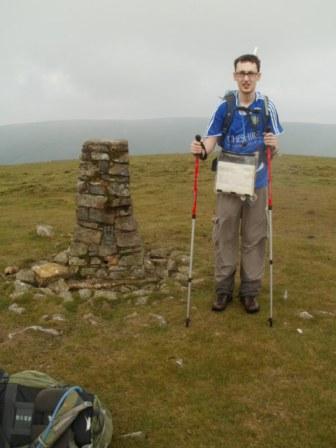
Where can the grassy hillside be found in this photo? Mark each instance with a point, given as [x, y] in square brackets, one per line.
[60, 140]
[227, 381]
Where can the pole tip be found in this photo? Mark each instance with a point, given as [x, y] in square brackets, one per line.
[270, 321]
[187, 322]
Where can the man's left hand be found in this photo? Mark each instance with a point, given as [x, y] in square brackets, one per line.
[271, 140]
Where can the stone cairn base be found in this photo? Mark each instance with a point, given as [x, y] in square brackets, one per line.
[106, 243]
[106, 252]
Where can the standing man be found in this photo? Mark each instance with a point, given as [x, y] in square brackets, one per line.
[253, 126]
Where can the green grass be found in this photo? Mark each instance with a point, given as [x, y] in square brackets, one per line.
[242, 384]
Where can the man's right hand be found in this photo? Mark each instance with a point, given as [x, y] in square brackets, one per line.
[209, 144]
[196, 148]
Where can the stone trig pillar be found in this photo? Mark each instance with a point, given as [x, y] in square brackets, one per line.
[106, 243]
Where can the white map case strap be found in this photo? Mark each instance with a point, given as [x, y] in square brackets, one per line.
[236, 173]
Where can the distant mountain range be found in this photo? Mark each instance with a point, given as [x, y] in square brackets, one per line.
[62, 140]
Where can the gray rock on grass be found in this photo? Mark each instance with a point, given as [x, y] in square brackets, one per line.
[45, 230]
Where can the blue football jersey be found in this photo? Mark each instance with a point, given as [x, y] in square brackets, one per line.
[245, 134]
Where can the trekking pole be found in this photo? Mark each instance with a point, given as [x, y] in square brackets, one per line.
[270, 205]
[193, 224]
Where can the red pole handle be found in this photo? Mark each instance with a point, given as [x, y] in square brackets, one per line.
[196, 172]
[269, 170]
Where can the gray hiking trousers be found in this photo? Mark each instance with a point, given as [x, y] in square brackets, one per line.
[248, 219]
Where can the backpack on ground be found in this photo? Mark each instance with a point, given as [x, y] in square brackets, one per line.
[37, 411]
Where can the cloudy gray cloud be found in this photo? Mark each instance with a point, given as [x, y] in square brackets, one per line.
[69, 59]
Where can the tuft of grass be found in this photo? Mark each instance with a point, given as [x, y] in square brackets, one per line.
[228, 380]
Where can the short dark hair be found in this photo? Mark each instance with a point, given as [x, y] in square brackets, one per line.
[248, 58]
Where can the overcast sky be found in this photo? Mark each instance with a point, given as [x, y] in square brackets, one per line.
[75, 59]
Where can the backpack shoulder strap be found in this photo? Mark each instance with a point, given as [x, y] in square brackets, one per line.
[69, 406]
[230, 99]
[265, 112]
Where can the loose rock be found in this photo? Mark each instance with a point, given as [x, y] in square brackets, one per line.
[10, 270]
[179, 362]
[62, 257]
[21, 286]
[134, 435]
[85, 293]
[66, 296]
[160, 319]
[142, 300]
[26, 276]
[50, 331]
[60, 286]
[16, 309]
[45, 230]
[90, 318]
[325, 313]
[108, 295]
[48, 272]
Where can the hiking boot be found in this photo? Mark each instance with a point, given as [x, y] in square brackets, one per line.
[221, 302]
[250, 304]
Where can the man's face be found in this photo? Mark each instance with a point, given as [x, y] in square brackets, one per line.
[246, 76]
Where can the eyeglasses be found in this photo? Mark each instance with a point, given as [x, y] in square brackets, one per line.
[250, 75]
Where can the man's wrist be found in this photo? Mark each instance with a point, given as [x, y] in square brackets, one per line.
[204, 154]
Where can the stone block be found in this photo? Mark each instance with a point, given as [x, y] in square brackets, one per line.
[96, 146]
[89, 236]
[117, 275]
[119, 202]
[119, 179]
[104, 166]
[91, 201]
[118, 146]
[88, 224]
[95, 261]
[104, 250]
[87, 272]
[128, 239]
[159, 253]
[48, 272]
[62, 257]
[93, 250]
[102, 273]
[88, 170]
[112, 260]
[119, 190]
[82, 213]
[109, 216]
[132, 260]
[96, 215]
[77, 261]
[26, 276]
[126, 223]
[108, 237]
[118, 169]
[97, 188]
[122, 158]
[106, 294]
[125, 211]
[130, 250]
[82, 187]
[99, 156]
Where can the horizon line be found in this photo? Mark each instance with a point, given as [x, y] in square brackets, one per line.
[24, 123]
